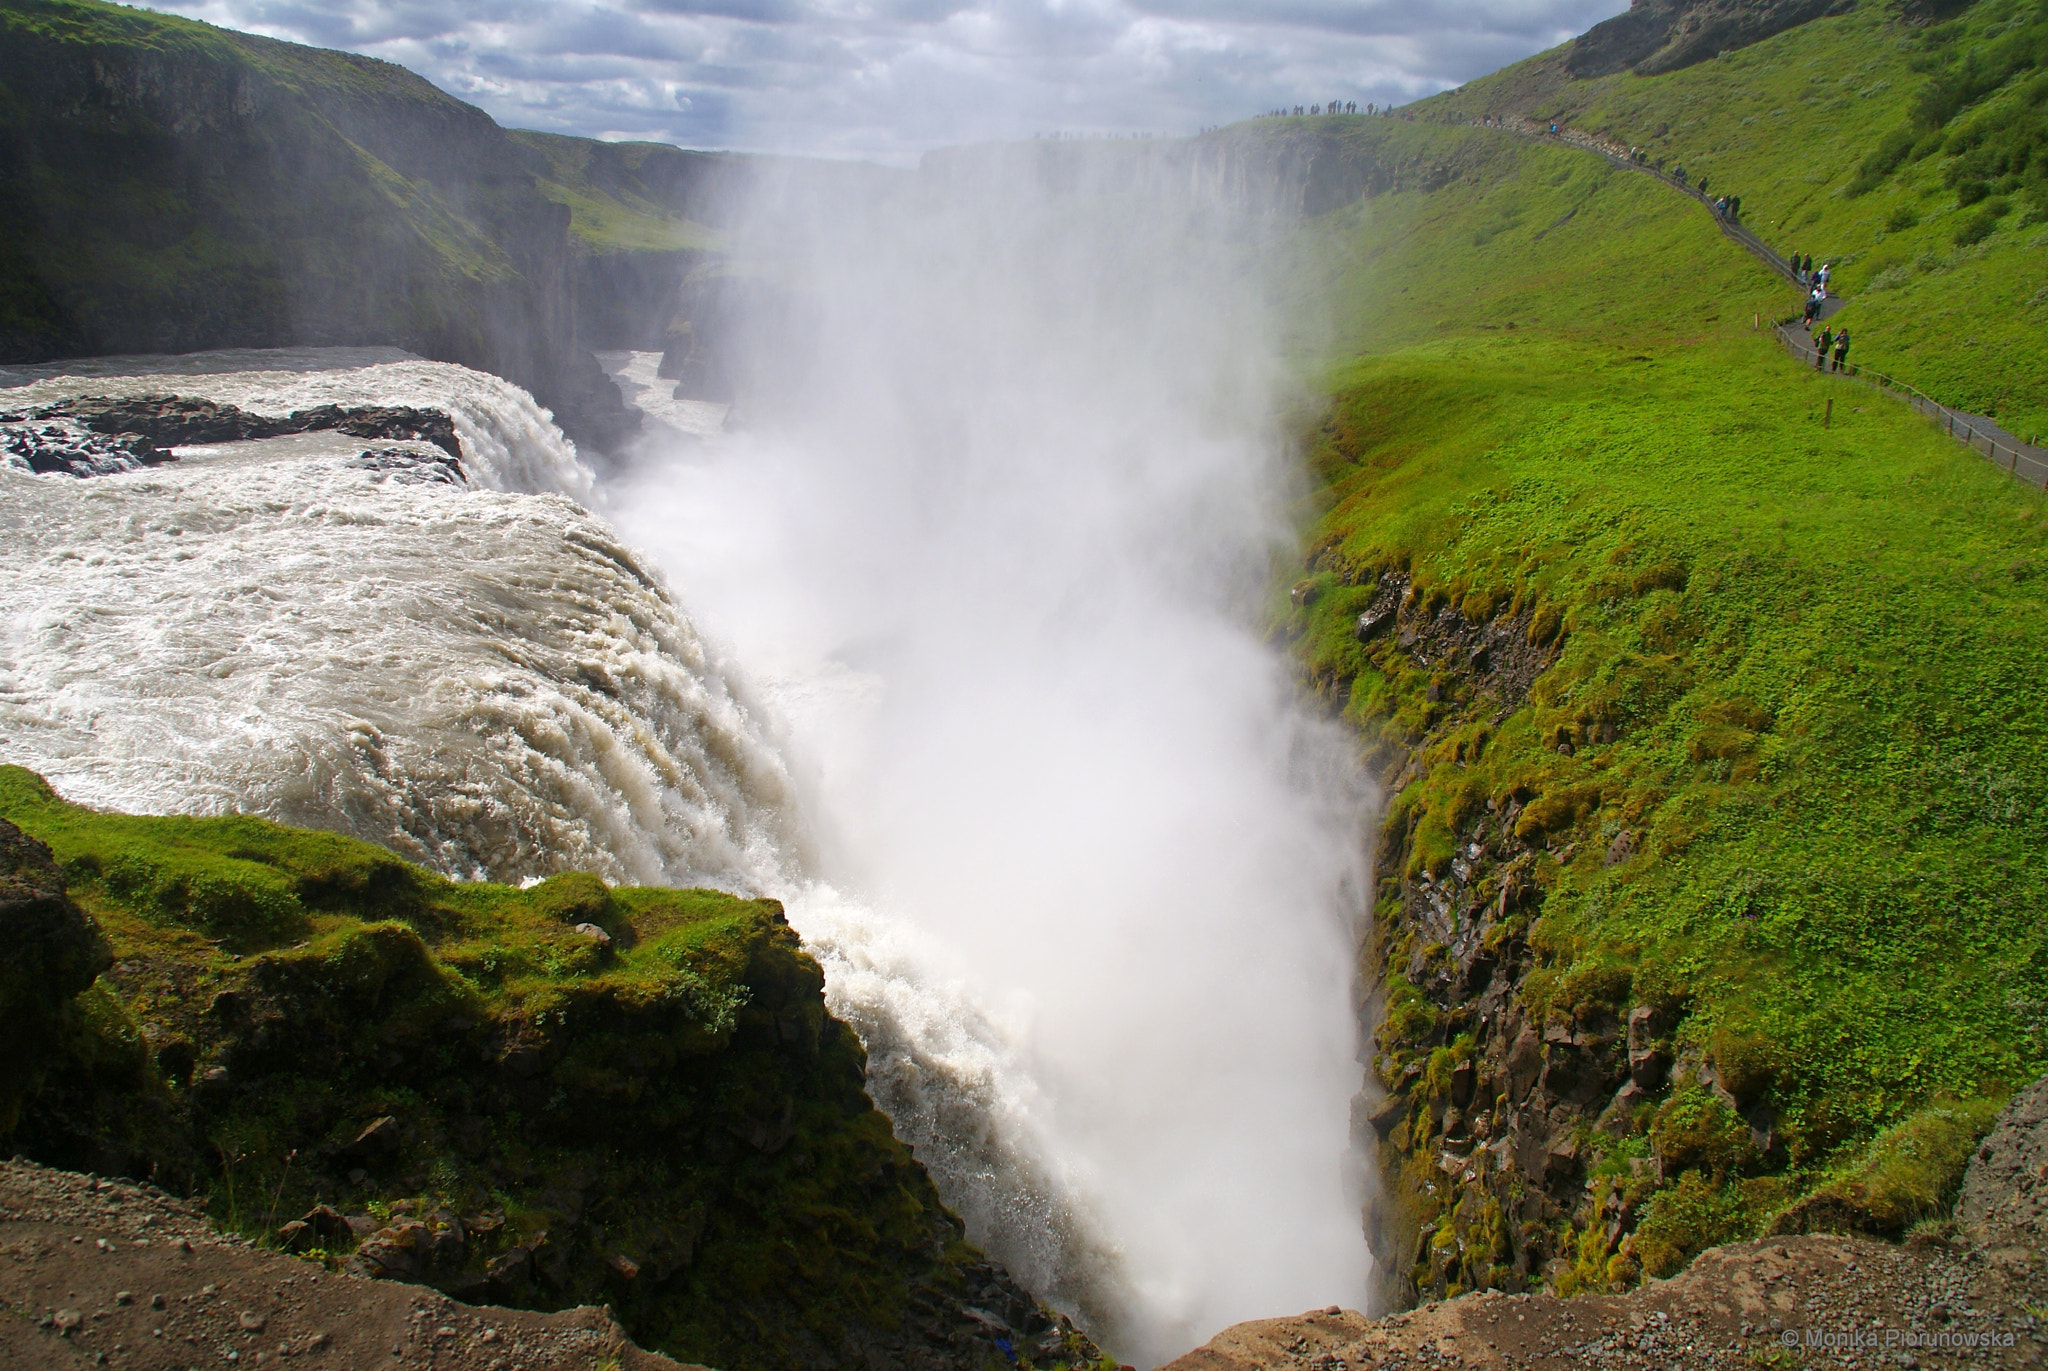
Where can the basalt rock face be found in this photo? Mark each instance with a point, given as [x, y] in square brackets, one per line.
[96, 436]
[1664, 35]
[175, 187]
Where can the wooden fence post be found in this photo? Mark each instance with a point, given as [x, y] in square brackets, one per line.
[1829, 417]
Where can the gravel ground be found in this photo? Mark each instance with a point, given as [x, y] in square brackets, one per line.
[106, 1273]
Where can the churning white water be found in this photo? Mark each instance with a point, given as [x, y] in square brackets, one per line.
[991, 538]
[486, 682]
[1000, 731]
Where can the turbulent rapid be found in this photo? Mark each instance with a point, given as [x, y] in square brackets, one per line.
[478, 676]
[484, 681]
[952, 655]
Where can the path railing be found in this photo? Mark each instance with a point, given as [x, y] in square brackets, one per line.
[2026, 461]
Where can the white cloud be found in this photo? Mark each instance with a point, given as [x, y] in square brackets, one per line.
[890, 78]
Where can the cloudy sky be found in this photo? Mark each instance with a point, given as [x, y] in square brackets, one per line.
[890, 78]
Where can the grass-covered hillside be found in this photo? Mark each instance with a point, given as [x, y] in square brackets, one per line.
[1912, 155]
[547, 1096]
[1713, 724]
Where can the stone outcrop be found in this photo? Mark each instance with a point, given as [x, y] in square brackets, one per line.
[176, 187]
[1656, 36]
[99, 436]
[458, 1088]
[54, 951]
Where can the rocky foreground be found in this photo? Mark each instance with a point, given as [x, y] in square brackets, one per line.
[109, 1273]
[1973, 1294]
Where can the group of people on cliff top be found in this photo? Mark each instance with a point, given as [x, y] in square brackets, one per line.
[1334, 107]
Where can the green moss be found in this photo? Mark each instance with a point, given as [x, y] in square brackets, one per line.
[1909, 1173]
[680, 1099]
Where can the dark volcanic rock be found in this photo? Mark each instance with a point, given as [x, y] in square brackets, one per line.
[1663, 35]
[54, 951]
[98, 436]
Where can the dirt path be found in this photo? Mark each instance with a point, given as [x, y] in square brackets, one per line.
[1977, 1298]
[108, 1273]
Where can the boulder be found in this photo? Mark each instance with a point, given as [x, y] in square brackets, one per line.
[54, 950]
[398, 1252]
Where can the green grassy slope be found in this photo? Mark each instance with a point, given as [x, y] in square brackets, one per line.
[1781, 784]
[173, 186]
[671, 1124]
[1913, 157]
[630, 197]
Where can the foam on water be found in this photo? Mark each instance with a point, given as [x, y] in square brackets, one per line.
[486, 682]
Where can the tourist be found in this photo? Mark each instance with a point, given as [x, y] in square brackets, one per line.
[1842, 348]
[1821, 344]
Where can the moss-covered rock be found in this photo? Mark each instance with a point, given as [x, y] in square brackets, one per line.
[565, 1094]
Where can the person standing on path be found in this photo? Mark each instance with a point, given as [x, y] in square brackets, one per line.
[1807, 270]
[1821, 345]
[1842, 348]
[1823, 278]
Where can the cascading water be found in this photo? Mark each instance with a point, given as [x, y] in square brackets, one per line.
[991, 537]
[1031, 789]
[508, 441]
[486, 682]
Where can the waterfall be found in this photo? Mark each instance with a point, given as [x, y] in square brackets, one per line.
[489, 679]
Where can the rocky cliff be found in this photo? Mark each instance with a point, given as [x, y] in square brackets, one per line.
[1664, 35]
[175, 187]
[562, 1096]
[1967, 1292]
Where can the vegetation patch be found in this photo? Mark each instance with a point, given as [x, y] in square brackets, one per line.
[567, 1094]
[1737, 878]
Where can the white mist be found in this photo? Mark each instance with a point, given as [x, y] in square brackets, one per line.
[992, 542]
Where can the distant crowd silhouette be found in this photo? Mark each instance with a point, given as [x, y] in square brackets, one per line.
[1333, 107]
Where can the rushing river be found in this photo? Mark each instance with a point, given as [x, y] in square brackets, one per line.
[966, 674]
